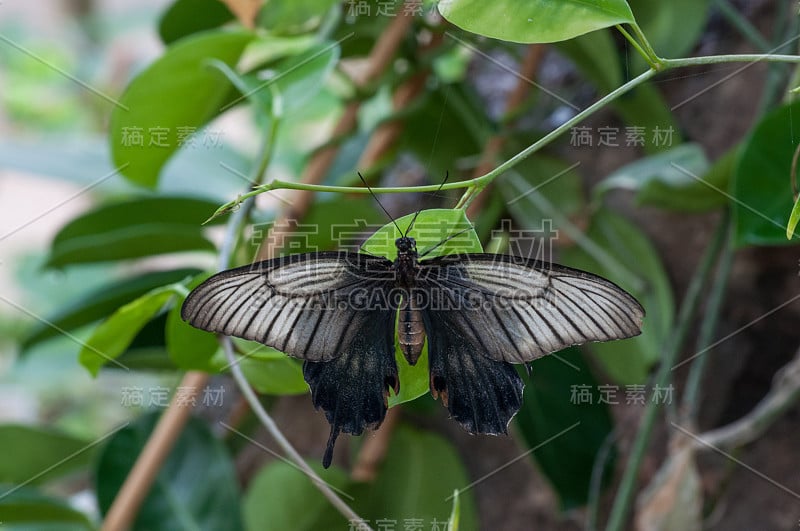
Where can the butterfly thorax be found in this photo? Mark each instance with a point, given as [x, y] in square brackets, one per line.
[406, 264]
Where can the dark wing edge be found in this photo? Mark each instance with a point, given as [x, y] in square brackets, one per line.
[481, 394]
[517, 309]
[300, 304]
[353, 388]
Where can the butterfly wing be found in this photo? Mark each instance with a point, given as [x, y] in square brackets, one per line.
[516, 310]
[481, 394]
[310, 306]
[330, 309]
[483, 312]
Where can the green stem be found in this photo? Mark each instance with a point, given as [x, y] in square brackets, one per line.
[690, 401]
[651, 58]
[477, 184]
[484, 180]
[686, 317]
[731, 58]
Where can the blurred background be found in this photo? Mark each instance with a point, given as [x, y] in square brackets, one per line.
[125, 125]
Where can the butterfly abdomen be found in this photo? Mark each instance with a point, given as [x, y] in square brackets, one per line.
[411, 332]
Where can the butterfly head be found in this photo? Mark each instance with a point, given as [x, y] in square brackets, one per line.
[406, 244]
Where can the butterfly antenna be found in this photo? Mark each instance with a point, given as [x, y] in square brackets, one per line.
[414, 219]
[379, 202]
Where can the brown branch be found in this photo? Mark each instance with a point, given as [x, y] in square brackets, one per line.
[122, 512]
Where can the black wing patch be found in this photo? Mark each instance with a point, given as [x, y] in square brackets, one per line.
[516, 310]
[330, 309]
[353, 388]
[310, 306]
[481, 394]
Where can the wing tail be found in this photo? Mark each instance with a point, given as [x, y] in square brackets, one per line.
[352, 389]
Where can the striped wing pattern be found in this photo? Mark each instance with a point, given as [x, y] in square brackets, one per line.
[481, 313]
[516, 310]
[299, 304]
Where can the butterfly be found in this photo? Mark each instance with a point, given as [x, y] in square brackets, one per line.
[480, 313]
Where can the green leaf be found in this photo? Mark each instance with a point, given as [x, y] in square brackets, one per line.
[670, 179]
[294, 80]
[417, 479]
[138, 211]
[535, 20]
[185, 17]
[629, 361]
[454, 135]
[415, 482]
[26, 509]
[178, 92]
[30, 454]
[672, 28]
[430, 228]
[281, 497]
[196, 487]
[132, 242]
[188, 347]
[454, 522]
[761, 189]
[279, 376]
[794, 219]
[113, 336]
[596, 57]
[298, 16]
[101, 303]
[559, 183]
[132, 228]
[551, 410]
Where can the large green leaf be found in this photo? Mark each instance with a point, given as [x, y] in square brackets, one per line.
[188, 347]
[196, 487]
[290, 83]
[185, 17]
[555, 407]
[281, 497]
[677, 179]
[763, 198]
[629, 361]
[439, 131]
[535, 20]
[114, 335]
[430, 229]
[178, 92]
[101, 303]
[28, 510]
[132, 228]
[34, 454]
[281, 375]
[415, 482]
